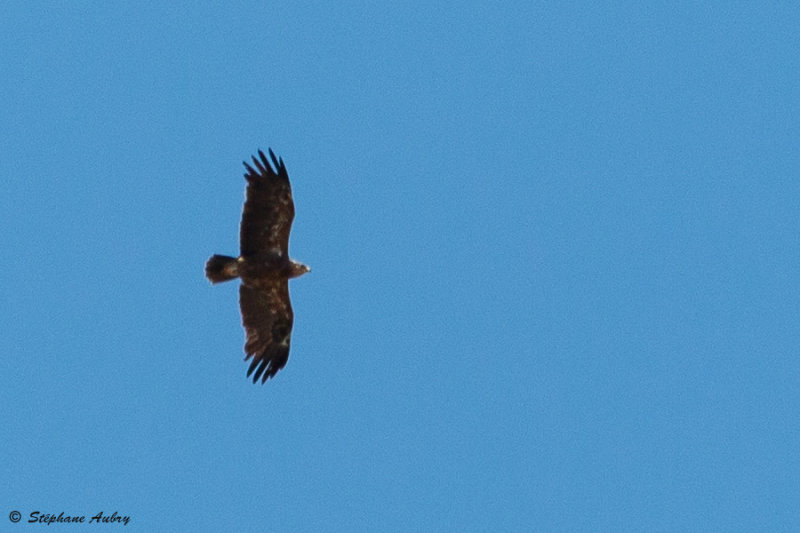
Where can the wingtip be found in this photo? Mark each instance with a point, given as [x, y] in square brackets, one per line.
[260, 368]
[265, 163]
[263, 167]
[250, 171]
[280, 167]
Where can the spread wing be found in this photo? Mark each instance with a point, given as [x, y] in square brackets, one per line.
[267, 318]
[268, 209]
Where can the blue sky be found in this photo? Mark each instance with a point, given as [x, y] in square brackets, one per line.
[554, 249]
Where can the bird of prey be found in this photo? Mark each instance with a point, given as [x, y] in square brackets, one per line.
[263, 266]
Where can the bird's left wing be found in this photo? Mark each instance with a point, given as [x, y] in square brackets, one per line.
[267, 319]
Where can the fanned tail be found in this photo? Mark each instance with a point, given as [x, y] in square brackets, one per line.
[221, 268]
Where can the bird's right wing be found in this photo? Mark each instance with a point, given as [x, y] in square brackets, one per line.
[268, 209]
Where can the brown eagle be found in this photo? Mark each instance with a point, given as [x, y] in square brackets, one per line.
[263, 266]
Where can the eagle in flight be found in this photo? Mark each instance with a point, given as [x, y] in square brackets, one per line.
[263, 266]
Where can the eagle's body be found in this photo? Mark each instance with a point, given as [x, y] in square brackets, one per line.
[264, 267]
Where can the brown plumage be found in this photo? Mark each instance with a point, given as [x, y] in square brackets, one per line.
[263, 266]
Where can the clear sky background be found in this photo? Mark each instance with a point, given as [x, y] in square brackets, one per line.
[555, 265]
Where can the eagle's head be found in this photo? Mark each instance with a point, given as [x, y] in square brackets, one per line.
[298, 269]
